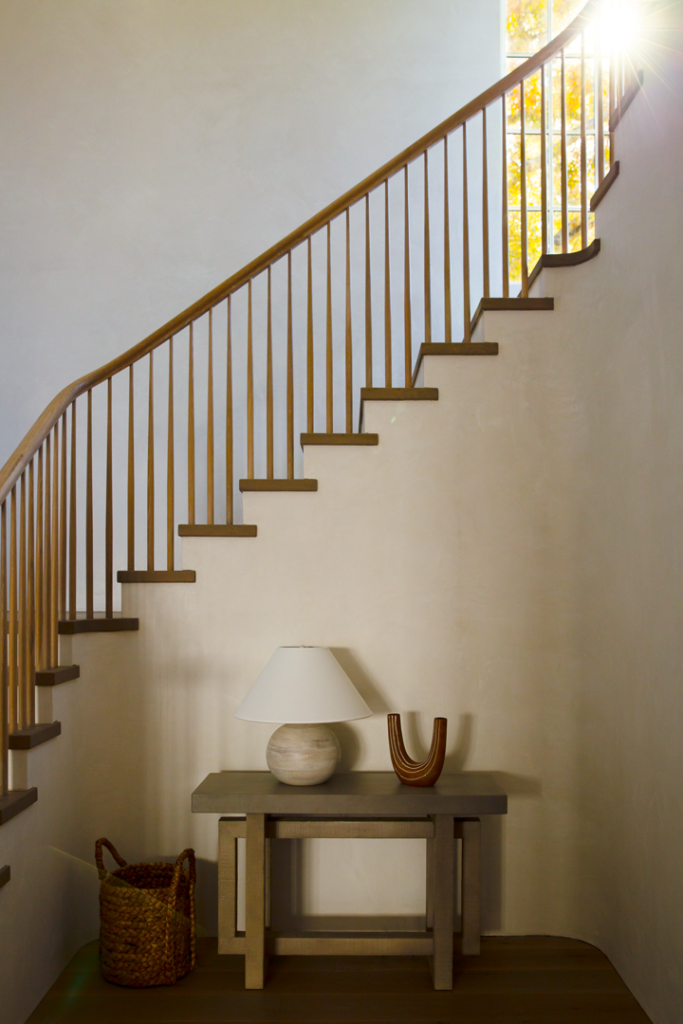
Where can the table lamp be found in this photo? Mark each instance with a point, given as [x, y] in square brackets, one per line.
[306, 688]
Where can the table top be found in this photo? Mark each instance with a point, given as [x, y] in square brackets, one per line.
[355, 794]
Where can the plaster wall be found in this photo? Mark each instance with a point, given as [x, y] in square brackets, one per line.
[149, 151]
[506, 557]
[622, 346]
[152, 149]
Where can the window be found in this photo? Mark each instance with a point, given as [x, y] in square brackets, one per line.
[530, 25]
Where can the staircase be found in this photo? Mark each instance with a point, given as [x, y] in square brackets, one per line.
[308, 348]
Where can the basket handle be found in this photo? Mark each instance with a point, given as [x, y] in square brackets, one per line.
[192, 875]
[99, 859]
[175, 882]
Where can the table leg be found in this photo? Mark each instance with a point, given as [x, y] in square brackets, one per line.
[430, 885]
[443, 871]
[227, 886]
[255, 960]
[471, 886]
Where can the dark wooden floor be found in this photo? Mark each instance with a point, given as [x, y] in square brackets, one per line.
[515, 981]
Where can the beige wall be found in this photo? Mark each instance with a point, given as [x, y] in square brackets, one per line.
[628, 365]
[149, 150]
[508, 557]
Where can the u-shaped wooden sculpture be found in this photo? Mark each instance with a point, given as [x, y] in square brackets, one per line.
[414, 773]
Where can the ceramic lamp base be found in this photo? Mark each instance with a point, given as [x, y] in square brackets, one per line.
[303, 755]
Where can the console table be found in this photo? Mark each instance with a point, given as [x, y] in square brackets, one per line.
[358, 805]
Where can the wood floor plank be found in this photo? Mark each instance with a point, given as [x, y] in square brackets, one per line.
[514, 981]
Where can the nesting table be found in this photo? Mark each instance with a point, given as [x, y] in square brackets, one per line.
[358, 805]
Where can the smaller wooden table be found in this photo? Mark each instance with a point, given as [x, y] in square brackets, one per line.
[359, 805]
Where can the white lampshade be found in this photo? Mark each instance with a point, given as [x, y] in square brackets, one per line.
[303, 685]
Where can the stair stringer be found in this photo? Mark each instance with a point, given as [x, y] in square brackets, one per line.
[439, 567]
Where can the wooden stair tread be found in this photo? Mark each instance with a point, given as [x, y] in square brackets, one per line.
[58, 674]
[33, 736]
[16, 801]
[604, 187]
[278, 485]
[565, 259]
[217, 530]
[156, 576]
[491, 305]
[98, 624]
[463, 348]
[340, 439]
[626, 101]
[399, 394]
[5, 875]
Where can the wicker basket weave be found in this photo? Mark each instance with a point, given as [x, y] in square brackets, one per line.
[147, 933]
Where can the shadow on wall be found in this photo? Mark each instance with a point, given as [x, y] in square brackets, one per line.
[349, 740]
[492, 840]
[206, 897]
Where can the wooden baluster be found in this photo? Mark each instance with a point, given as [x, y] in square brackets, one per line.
[524, 235]
[407, 312]
[584, 168]
[150, 468]
[309, 346]
[109, 514]
[465, 240]
[47, 566]
[348, 336]
[54, 577]
[368, 298]
[190, 430]
[22, 638]
[598, 112]
[544, 168]
[131, 470]
[504, 219]
[40, 572]
[329, 353]
[448, 334]
[170, 468]
[31, 596]
[563, 165]
[612, 98]
[387, 291]
[89, 590]
[427, 259]
[250, 390]
[13, 717]
[290, 373]
[228, 423]
[63, 524]
[72, 518]
[269, 386]
[485, 202]
[209, 429]
[25, 603]
[4, 674]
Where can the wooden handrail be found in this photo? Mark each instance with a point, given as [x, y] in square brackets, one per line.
[30, 444]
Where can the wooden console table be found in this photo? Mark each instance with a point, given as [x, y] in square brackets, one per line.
[359, 805]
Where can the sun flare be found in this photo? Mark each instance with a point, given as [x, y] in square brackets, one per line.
[621, 22]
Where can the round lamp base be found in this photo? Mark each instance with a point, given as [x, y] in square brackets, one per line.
[303, 755]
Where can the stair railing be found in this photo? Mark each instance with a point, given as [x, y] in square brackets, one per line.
[459, 215]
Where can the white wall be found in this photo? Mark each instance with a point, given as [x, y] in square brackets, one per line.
[507, 557]
[624, 350]
[149, 150]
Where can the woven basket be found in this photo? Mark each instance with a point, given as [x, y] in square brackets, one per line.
[146, 920]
